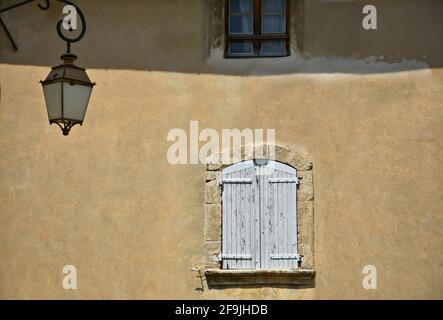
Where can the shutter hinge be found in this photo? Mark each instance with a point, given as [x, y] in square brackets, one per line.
[297, 257]
[236, 181]
[236, 256]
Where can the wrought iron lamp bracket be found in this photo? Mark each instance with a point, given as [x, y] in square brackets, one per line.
[45, 6]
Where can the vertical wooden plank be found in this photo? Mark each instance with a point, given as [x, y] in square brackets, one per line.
[277, 226]
[238, 214]
[237, 196]
[242, 214]
[224, 223]
[291, 227]
[229, 187]
[225, 226]
[225, 212]
[283, 214]
[295, 222]
[274, 199]
[267, 214]
[288, 221]
[279, 201]
[267, 211]
[286, 214]
[277, 217]
[249, 222]
[231, 215]
[281, 222]
[264, 211]
[248, 225]
[235, 239]
[257, 225]
[288, 187]
[263, 217]
[255, 219]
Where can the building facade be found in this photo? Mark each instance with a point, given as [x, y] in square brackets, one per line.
[357, 117]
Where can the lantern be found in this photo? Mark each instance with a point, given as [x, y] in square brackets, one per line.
[67, 90]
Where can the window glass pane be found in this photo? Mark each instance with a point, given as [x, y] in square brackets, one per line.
[273, 6]
[240, 24]
[241, 5]
[274, 24]
[273, 47]
[240, 47]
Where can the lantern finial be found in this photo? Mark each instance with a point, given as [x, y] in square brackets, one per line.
[69, 58]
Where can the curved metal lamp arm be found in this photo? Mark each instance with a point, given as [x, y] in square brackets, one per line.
[60, 23]
[45, 7]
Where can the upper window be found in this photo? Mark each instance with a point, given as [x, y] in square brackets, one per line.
[257, 28]
[259, 210]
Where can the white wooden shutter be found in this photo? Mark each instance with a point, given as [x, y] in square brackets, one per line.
[278, 193]
[240, 217]
[259, 208]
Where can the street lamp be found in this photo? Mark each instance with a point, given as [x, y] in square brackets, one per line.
[67, 88]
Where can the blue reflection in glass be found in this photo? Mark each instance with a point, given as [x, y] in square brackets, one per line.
[270, 6]
[274, 24]
[273, 47]
[241, 5]
[240, 24]
[239, 47]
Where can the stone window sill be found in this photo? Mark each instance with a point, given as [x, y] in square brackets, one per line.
[220, 278]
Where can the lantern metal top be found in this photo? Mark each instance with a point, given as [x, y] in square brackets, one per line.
[68, 72]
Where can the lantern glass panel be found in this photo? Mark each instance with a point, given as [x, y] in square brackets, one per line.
[76, 99]
[53, 97]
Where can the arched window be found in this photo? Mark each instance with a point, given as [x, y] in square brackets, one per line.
[259, 216]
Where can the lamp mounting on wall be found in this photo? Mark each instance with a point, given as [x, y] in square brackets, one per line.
[16, 5]
[67, 88]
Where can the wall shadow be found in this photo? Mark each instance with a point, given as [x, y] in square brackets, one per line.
[188, 37]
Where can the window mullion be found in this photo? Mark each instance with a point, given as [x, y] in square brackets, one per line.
[257, 25]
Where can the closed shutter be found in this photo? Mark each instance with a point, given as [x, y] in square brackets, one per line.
[259, 208]
[279, 217]
[240, 218]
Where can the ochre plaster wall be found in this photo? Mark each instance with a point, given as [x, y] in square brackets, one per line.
[106, 200]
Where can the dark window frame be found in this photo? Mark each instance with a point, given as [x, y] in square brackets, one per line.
[257, 37]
